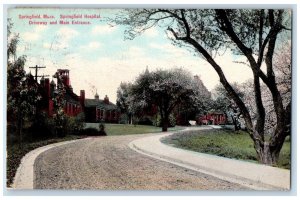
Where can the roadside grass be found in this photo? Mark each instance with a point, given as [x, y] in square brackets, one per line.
[226, 143]
[15, 154]
[128, 129]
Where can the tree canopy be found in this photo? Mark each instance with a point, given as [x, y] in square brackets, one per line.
[166, 89]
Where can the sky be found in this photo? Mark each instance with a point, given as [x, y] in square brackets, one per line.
[98, 56]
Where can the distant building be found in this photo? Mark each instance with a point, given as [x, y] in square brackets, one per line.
[98, 110]
[214, 118]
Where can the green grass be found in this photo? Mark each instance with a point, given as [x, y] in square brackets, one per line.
[224, 143]
[15, 153]
[128, 129]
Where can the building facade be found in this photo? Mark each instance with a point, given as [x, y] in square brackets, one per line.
[213, 118]
[100, 110]
[95, 110]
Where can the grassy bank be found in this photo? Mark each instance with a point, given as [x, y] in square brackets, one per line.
[224, 143]
[15, 153]
[128, 129]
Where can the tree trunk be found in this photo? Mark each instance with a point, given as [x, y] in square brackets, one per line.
[266, 154]
[165, 123]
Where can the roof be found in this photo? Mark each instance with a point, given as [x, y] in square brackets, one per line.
[99, 103]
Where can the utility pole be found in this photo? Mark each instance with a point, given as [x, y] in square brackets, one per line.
[36, 71]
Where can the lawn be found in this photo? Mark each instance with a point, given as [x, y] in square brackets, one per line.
[128, 129]
[224, 143]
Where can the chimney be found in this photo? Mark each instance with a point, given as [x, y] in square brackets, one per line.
[47, 87]
[106, 99]
[82, 97]
[96, 96]
[52, 88]
[42, 81]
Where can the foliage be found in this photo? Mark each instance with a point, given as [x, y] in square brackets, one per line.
[172, 121]
[102, 129]
[225, 104]
[127, 129]
[165, 89]
[123, 100]
[22, 90]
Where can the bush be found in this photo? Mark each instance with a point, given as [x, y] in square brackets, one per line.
[102, 129]
[42, 126]
[89, 132]
[74, 125]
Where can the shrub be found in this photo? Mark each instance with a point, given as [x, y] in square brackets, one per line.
[102, 129]
[89, 132]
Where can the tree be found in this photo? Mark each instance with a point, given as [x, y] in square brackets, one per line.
[22, 90]
[224, 103]
[59, 102]
[252, 34]
[123, 99]
[164, 88]
[200, 105]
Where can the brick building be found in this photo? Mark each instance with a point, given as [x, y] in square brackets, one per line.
[95, 110]
[214, 118]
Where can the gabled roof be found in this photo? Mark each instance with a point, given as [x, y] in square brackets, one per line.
[99, 103]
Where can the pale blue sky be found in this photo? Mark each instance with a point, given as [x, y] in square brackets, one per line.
[99, 57]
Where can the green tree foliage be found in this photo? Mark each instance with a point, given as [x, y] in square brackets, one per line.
[225, 104]
[22, 90]
[123, 100]
[166, 89]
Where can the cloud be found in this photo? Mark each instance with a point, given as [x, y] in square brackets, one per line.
[61, 39]
[103, 29]
[91, 46]
[67, 33]
[152, 32]
[29, 36]
[33, 35]
[170, 49]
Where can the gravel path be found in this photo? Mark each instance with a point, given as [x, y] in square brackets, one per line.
[107, 163]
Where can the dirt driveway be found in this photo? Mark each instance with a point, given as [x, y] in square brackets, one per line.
[107, 163]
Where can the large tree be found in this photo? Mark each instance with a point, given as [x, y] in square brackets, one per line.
[252, 34]
[165, 89]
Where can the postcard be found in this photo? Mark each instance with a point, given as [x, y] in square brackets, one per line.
[149, 99]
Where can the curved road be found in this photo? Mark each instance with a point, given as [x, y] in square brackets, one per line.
[107, 163]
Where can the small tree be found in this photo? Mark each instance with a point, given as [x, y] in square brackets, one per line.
[60, 119]
[123, 100]
[224, 103]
